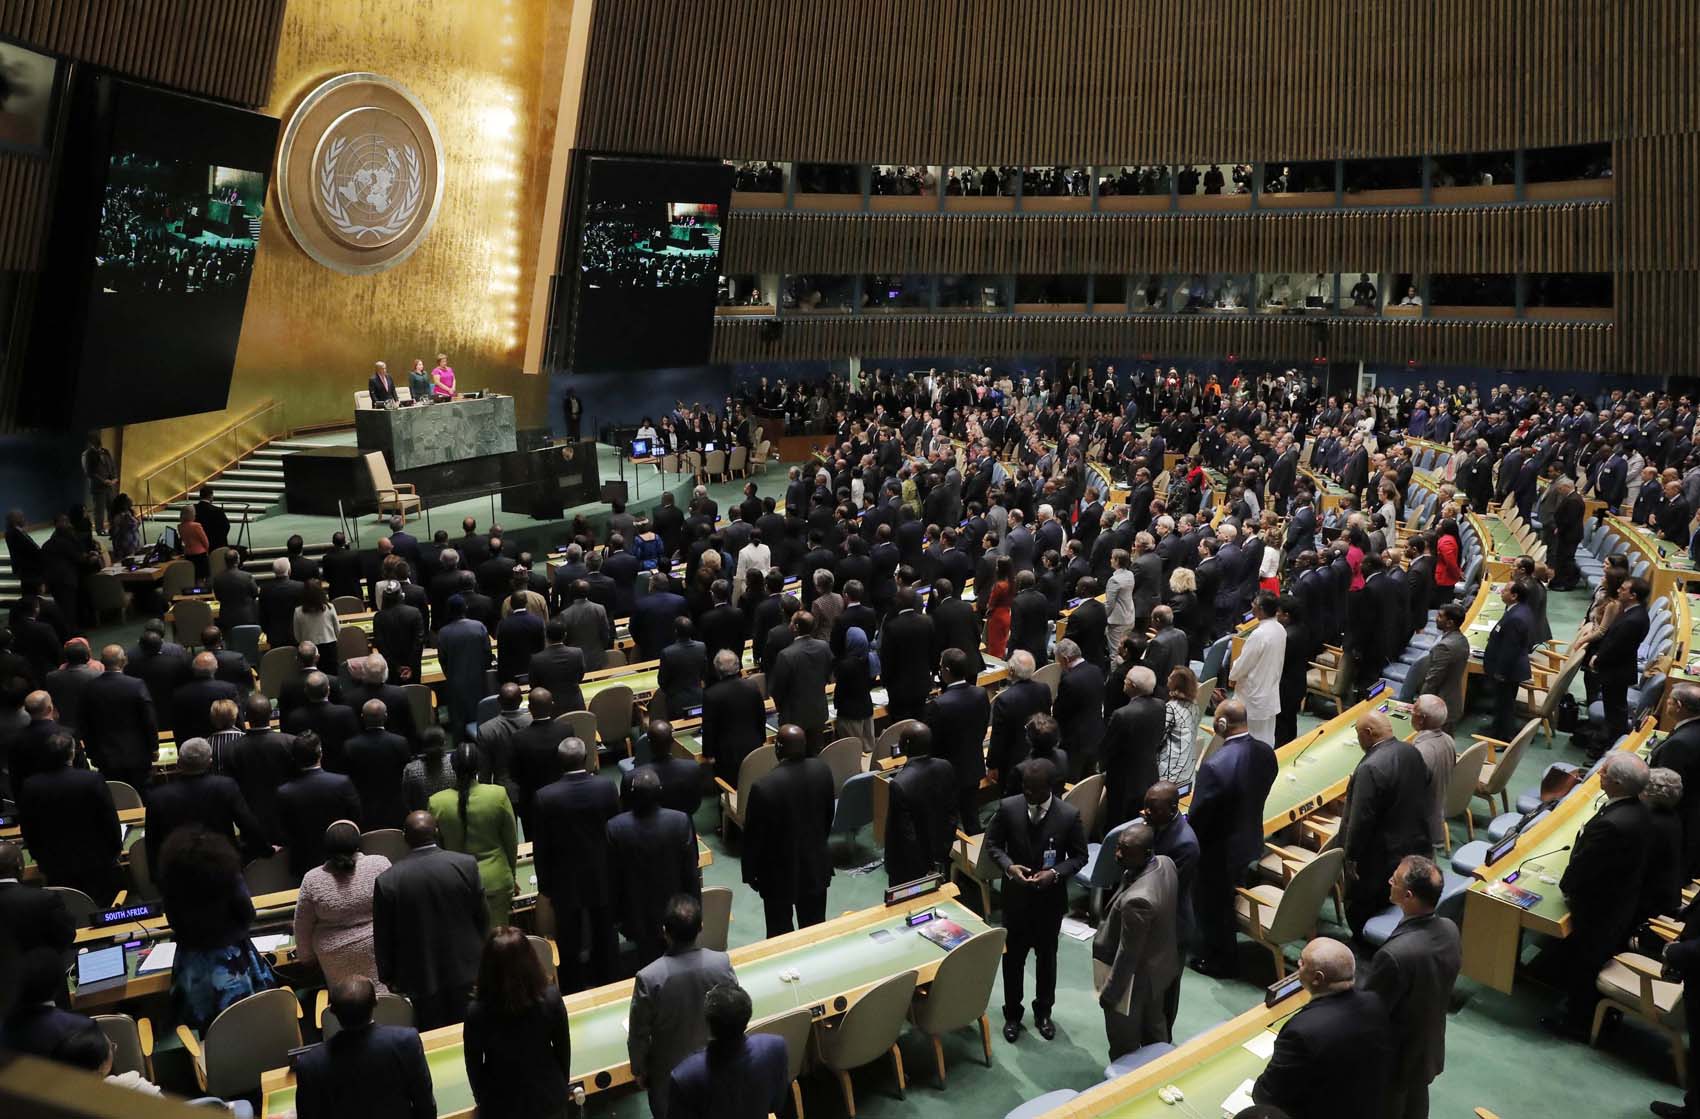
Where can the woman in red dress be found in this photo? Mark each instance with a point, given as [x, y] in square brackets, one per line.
[997, 608]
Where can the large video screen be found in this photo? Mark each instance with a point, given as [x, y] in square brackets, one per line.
[647, 261]
[156, 224]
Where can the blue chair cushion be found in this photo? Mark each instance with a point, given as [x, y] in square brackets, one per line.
[1140, 1057]
[1041, 1105]
[1469, 856]
[1378, 928]
[1500, 826]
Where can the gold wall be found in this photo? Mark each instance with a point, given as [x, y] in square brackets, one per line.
[489, 72]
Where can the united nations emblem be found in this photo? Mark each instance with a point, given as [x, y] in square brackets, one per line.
[359, 173]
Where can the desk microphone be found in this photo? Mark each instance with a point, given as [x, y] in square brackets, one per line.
[1292, 774]
[1512, 877]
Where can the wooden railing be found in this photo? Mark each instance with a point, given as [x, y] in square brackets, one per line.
[219, 451]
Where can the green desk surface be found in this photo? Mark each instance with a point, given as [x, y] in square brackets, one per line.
[1501, 540]
[1329, 759]
[827, 968]
[641, 683]
[1205, 1085]
[1481, 626]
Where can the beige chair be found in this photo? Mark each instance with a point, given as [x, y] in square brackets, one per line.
[80, 906]
[124, 795]
[1635, 985]
[1279, 863]
[1274, 916]
[960, 992]
[247, 1038]
[614, 709]
[1466, 775]
[106, 595]
[388, 842]
[132, 1043]
[669, 464]
[548, 958]
[189, 619]
[1050, 676]
[391, 1010]
[758, 462]
[794, 1029]
[739, 462]
[844, 758]
[1500, 765]
[1330, 677]
[1087, 797]
[352, 644]
[866, 1032]
[1538, 696]
[277, 668]
[269, 875]
[583, 724]
[175, 578]
[616, 658]
[757, 764]
[968, 857]
[716, 917]
[422, 704]
[363, 400]
[715, 465]
[347, 605]
[885, 746]
[393, 497]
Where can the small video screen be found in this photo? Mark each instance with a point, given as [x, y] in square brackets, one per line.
[651, 245]
[177, 228]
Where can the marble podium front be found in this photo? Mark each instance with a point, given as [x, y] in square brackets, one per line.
[430, 434]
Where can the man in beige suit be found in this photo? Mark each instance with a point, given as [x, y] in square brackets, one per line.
[1428, 717]
[1135, 962]
[1448, 663]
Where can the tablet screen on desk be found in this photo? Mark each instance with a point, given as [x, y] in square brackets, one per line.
[100, 965]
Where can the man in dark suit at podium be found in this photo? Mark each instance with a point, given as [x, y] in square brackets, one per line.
[379, 385]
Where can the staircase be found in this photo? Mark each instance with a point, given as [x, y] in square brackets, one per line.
[256, 481]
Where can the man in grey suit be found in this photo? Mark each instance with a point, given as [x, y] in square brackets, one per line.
[1448, 663]
[666, 1022]
[588, 628]
[1440, 753]
[798, 684]
[1413, 973]
[1135, 964]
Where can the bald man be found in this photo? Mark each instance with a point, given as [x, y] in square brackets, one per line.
[1332, 1058]
[1228, 794]
[191, 702]
[1439, 753]
[1135, 966]
[1386, 818]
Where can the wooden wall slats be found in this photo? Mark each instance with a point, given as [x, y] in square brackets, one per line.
[23, 207]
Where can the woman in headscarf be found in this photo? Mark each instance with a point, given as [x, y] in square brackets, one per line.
[856, 672]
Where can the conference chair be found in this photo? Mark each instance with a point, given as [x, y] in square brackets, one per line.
[391, 1010]
[1329, 677]
[616, 658]
[245, 640]
[422, 704]
[969, 858]
[352, 644]
[1461, 790]
[393, 496]
[844, 758]
[716, 917]
[793, 1028]
[346, 604]
[854, 808]
[757, 764]
[614, 709]
[78, 904]
[388, 842]
[248, 1037]
[714, 466]
[1050, 676]
[758, 465]
[959, 994]
[1087, 798]
[106, 595]
[132, 1043]
[176, 578]
[269, 875]
[1275, 916]
[363, 400]
[1635, 985]
[138, 881]
[885, 746]
[867, 1031]
[277, 668]
[548, 958]
[124, 795]
[188, 619]
[583, 724]
[739, 463]
[1215, 658]
[1538, 696]
[1500, 765]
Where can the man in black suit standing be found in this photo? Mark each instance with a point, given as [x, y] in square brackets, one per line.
[909, 654]
[680, 775]
[1505, 661]
[1080, 705]
[922, 819]
[378, 1072]
[191, 703]
[332, 723]
[429, 889]
[558, 667]
[199, 796]
[797, 685]
[374, 759]
[958, 717]
[534, 758]
[1413, 973]
[68, 683]
[278, 600]
[1386, 818]
[1089, 624]
[1612, 657]
[120, 729]
[734, 718]
[372, 682]
[1566, 529]
[652, 853]
[652, 617]
[379, 386]
[1680, 751]
[1038, 842]
[69, 824]
[160, 666]
[1029, 618]
[1333, 1057]
[1132, 741]
[398, 632]
[1682, 961]
[311, 802]
[1019, 701]
[1607, 864]
[955, 624]
[1226, 814]
[260, 762]
[237, 592]
[32, 918]
[571, 841]
[786, 825]
[342, 569]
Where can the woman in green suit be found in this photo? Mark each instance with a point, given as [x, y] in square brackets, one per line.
[478, 819]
